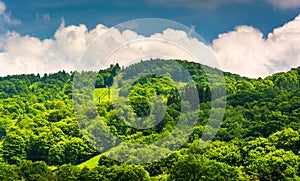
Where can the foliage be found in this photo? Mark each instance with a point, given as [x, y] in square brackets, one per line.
[257, 140]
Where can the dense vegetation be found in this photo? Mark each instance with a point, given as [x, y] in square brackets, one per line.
[42, 139]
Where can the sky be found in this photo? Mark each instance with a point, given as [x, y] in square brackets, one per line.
[253, 38]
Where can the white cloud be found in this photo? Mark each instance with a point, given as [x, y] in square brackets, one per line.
[127, 47]
[27, 54]
[246, 52]
[285, 4]
[5, 17]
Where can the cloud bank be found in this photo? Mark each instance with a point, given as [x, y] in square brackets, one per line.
[246, 52]
[243, 51]
[27, 54]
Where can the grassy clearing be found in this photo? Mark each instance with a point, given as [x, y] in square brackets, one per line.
[91, 163]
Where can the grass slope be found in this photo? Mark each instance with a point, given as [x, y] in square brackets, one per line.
[91, 163]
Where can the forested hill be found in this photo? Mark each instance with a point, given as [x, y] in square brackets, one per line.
[41, 139]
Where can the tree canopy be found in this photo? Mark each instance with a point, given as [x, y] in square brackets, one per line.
[42, 139]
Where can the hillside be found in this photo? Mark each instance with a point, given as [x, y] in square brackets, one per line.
[45, 122]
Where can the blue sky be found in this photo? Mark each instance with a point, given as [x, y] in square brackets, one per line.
[42, 18]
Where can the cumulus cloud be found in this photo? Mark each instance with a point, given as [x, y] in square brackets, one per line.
[245, 51]
[5, 17]
[170, 44]
[27, 54]
[127, 47]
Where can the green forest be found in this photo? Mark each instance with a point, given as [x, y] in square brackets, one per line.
[49, 126]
